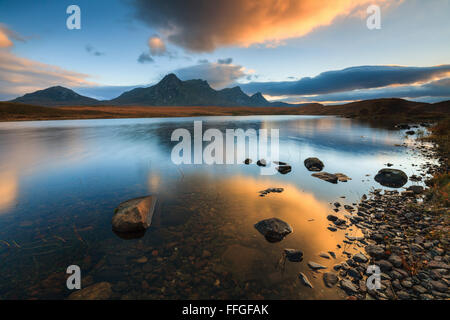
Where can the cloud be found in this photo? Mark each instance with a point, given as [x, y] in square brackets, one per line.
[20, 75]
[200, 26]
[6, 35]
[90, 49]
[157, 46]
[225, 61]
[145, 58]
[354, 78]
[217, 74]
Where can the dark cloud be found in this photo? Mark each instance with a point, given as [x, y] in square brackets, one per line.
[432, 91]
[354, 78]
[145, 57]
[90, 49]
[204, 25]
[225, 61]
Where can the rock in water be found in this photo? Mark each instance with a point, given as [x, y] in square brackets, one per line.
[393, 178]
[293, 255]
[134, 215]
[273, 229]
[313, 164]
[248, 161]
[283, 169]
[261, 163]
[98, 291]
[330, 279]
[304, 279]
[326, 176]
[315, 266]
[342, 177]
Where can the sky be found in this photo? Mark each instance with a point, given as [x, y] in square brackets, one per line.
[294, 51]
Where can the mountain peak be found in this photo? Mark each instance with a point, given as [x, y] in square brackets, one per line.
[171, 78]
[55, 96]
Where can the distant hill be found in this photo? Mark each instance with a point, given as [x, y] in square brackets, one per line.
[56, 96]
[171, 91]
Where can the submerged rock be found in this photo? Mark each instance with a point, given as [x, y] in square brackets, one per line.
[273, 229]
[134, 216]
[293, 255]
[98, 291]
[330, 279]
[304, 279]
[313, 164]
[329, 177]
[393, 178]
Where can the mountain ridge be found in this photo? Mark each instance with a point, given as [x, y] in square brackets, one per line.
[169, 91]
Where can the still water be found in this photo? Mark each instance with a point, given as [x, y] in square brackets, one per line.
[61, 180]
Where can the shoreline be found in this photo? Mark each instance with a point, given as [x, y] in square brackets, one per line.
[406, 235]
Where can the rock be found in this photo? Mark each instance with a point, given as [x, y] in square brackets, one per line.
[284, 169]
[247, 161]
[395, 260]
[393, 178]
[384, 265]
[332, 229]
[332, 217]
[403, 295]
[415, 189]
[410, 132]
[142, 260]
[329, 177]
[313, 164]
[304, 279]
[342, 177]
[261, 163]
[403, 126]
[375, 251]
[330, 279]
[98, 291]
[348, 286]
[293, 255]
[273, 229]
[439, 286]
[324, 255]
[355, 274]
[359, 257]
[315, 266]
[134, 215]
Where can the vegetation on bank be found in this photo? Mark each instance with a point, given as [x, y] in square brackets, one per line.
[440, 183]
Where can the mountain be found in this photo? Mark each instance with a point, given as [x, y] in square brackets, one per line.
[56, 96]
[171, 91]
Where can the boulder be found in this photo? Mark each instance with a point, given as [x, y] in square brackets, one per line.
[248, 161]
[393, 178]
[342, 177]
[134, 216]
[416, 189]
[304, 279]
[273, 229]
[313, 164]
[329, 177]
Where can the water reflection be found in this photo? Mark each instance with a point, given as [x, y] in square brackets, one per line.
[61, 180]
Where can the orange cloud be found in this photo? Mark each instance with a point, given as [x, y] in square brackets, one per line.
[4, 38]
[214, 23]
[157, 46]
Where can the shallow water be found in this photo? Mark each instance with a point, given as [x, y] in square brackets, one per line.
[61, 180]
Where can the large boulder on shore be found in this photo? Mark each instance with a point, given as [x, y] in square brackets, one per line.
[134, 215]
[393, 178]
[313, 164]
[273, 229]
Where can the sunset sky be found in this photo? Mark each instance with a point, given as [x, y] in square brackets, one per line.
[295, 51]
